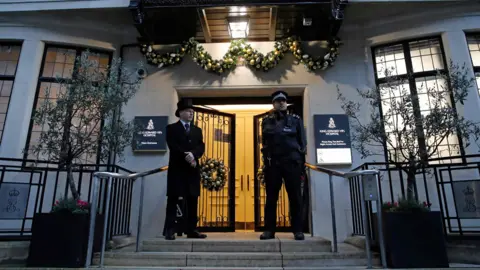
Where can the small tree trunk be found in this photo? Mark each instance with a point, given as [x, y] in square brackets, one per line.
[411, 186]
[71, 182]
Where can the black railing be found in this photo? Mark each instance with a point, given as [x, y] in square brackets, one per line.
[433, 184]
[44, 183]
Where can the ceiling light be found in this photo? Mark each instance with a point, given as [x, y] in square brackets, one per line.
[238, 26]
[239, 11]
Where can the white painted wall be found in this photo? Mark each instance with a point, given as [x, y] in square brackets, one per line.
[35, 5]
[161, 89]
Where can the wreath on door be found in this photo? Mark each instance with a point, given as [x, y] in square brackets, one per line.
[213, 174]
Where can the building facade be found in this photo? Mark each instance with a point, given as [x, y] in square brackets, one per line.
[39, 42]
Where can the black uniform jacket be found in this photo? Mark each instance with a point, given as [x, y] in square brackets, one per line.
[183, 179]
[283, 138]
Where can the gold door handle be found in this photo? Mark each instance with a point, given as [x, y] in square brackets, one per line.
[241, 182]
[248, 182]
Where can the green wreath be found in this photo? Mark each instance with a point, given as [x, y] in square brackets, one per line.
[213, 174]
[240, 49]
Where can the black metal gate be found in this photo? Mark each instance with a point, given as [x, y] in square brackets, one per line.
[283, 212]
[216, 209]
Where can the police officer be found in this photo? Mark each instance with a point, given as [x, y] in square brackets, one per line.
[284, 148]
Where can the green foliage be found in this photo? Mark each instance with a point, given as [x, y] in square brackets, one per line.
[406, 205]
[71, 205]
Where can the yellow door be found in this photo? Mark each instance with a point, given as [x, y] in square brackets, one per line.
[244, 169]
[240, 160]
[244, 162]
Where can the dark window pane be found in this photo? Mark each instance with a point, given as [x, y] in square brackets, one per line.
[390, 61]
[9, 56]
[426, 55]
[474, 47]
[60, 62]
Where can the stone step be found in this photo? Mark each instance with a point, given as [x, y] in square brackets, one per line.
[312, 244]
[231, 259]
[224, 268]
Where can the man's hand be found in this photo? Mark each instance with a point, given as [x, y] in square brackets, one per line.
[193, 164]
[189, 157]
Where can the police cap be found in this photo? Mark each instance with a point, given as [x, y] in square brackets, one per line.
[279, 95]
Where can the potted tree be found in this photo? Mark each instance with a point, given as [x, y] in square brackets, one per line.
[412, 136]
[413, 235]
[83, 122]
[60, 238]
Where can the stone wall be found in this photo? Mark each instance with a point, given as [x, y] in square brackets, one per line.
[14, 252]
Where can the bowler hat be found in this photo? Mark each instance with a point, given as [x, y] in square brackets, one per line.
[280, 94]
[182, 105]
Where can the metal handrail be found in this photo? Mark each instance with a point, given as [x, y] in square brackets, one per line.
[132, 175]
[110, 176]
[348, 176]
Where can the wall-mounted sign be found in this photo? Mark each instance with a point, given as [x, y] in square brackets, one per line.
[332, 139]
[466, 196]
[150, 135]
[14, 200]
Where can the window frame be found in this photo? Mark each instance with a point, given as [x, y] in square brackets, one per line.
[10, 78]
[476, 69]
[411, 76]
[41, 79]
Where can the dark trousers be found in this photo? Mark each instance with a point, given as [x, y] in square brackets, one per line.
[189, 215]
[290, 172]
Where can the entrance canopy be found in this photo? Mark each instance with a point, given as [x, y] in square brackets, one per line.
[175, 21]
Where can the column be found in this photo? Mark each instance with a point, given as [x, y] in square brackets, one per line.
[21, 100]
[456, 49]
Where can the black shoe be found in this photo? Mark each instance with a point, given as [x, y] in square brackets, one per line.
[267, 235]
[197, 235]
[169, 235]
[299, 236]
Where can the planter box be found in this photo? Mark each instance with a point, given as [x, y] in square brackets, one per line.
[61, 239]
[415, 240]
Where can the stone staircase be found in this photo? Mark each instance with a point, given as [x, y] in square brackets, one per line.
[237, 251]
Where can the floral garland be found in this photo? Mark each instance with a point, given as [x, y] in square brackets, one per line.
[240, 49]
[213, 174]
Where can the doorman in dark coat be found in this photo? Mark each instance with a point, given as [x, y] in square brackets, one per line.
[185, 142]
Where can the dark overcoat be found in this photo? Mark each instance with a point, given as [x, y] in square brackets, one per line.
[183, 179]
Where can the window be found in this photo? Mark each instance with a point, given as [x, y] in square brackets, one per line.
[473, 41]
[9, 55]
[412, 67]
[58, 63]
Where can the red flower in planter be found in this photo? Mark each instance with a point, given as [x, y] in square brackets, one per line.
[82, 203]
[427, 204]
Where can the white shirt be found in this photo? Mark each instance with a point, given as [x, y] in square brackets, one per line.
[185, 123]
